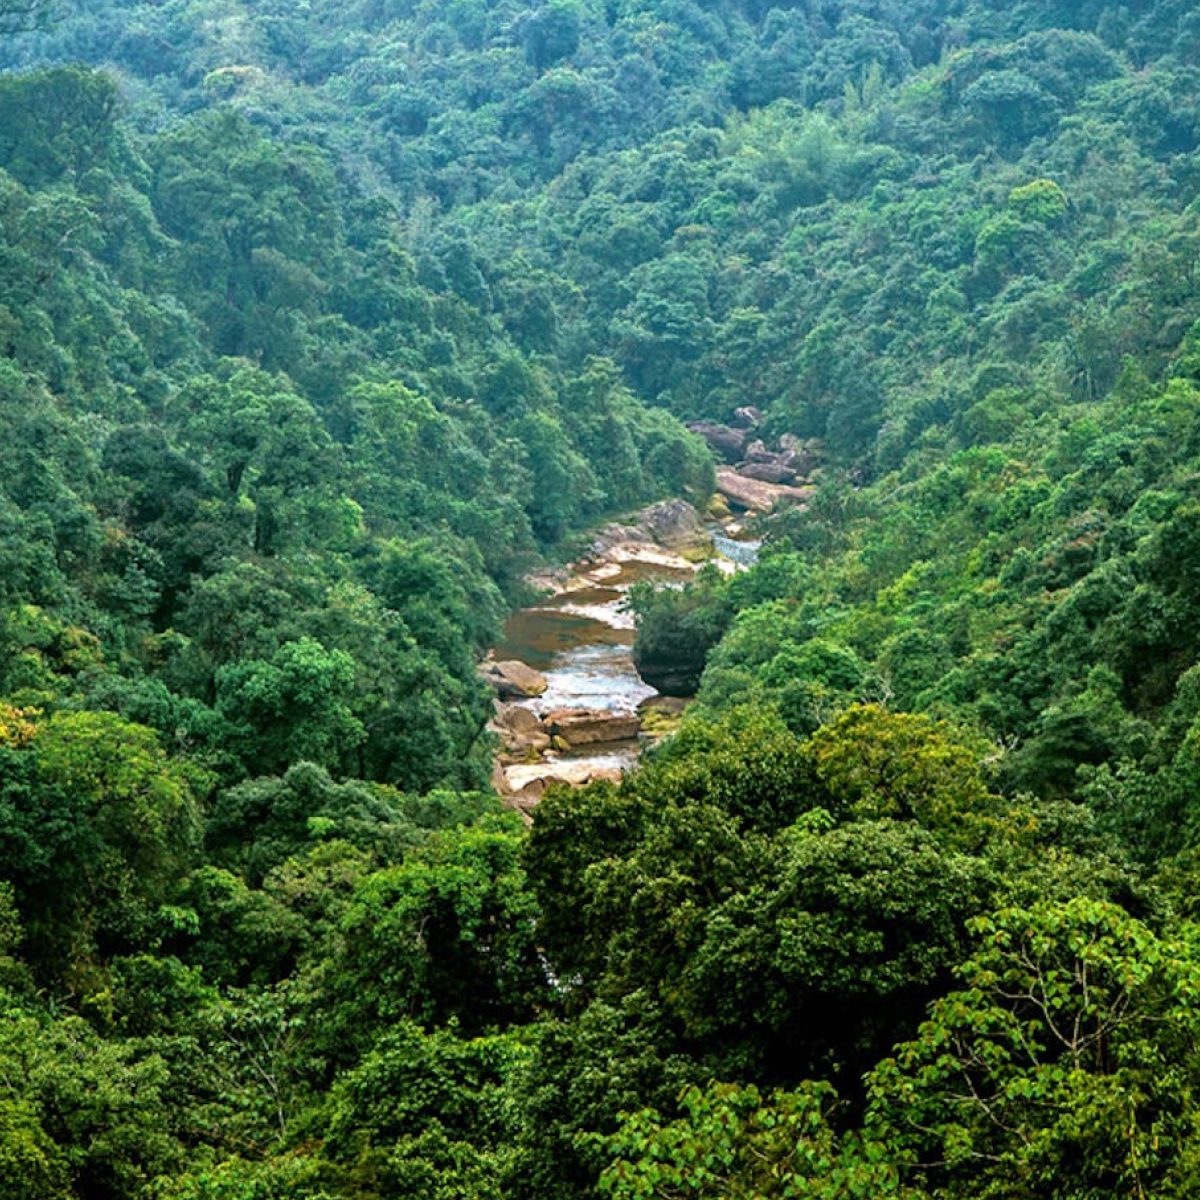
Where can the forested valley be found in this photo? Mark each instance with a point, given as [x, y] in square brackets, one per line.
[326, 326]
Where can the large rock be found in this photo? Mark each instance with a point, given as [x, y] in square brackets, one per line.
[755, 495]
[514, 680]
[527, 798]
[676, 525]
[730, 444]
[805, 453]
[613, 536]
[772, 466]
[527, 784]
[574, 727]
[500, 783]
[517, 719]
[672, 524]
[772, 471]
[747, 418]
[520, 732]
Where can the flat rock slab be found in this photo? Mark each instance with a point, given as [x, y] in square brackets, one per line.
[768, 472]
[529, 782]
[590, 726]
[756, 495]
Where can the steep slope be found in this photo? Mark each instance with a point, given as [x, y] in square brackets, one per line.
[320, 323]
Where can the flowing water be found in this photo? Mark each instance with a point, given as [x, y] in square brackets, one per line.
[742, 552]
[581, 641]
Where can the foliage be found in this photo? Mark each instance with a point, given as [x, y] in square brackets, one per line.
[676, 630]
[322, 325]
[1061, 1067]
[733, 1142]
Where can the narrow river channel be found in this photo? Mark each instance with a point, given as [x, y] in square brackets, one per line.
[580, 639]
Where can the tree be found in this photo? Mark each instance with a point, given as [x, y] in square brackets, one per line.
[613, 1057]
[428, 1113]
[1041, 201]
[292, 707]
[550, 33]
[564, 487]
[448, 934]
[734, 1143]
[260, 823]
[82, 1115]
[100, 826]
[19, 16]
[816, 961]
[1013, 106]
[62, 123]
[875, 763]
[266, 455]
[676, 628]
[1061, 1067]
[746, 764]
[574, 829]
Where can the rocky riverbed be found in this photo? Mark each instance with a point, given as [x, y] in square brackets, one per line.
[571, 707]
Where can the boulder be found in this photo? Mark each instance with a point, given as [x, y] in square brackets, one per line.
[517, 719]
[551, 580]
[574, 727]
[526, 800]
[528, 748]
[500, 781]
[755, 495]
[676, 525]
[757, 452]
[514, 680]
[528, 796]
[768, 472]
[803, 454]
[730, 444]
[718, 507]
[608, 540]
[672, 524]
[520, 732]
[748, 417]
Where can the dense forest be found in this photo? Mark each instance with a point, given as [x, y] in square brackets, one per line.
[323, 325]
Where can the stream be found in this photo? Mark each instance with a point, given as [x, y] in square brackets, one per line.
[581, 639]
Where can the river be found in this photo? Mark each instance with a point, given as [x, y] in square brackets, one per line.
[581, 639]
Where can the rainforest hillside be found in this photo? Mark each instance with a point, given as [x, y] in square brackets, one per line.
[323, 325]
